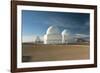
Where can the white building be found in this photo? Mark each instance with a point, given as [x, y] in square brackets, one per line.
[65, 36]
[37, 39]
[53, 36]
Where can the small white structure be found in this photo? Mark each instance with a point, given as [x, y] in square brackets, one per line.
[65, 36]
[52, 36]
[37, 39]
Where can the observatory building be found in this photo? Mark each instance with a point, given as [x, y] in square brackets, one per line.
[65, 36]
[53, 36]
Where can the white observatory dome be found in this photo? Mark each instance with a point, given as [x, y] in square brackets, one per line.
[65, 32]
[53, 36]
[65, 36]
[53, 30]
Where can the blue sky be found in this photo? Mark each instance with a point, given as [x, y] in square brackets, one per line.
[37, 22]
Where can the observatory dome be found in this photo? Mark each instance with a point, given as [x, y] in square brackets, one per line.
[65, 32]
[53, 30]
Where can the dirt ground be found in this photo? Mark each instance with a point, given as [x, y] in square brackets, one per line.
[41, 52]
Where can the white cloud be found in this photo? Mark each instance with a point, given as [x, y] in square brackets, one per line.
[81, 35]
